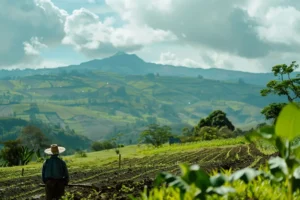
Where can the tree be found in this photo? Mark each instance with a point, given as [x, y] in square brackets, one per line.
[241, 81]
[186, 131]
[98, 146]
[200, 76]
[238, 132]
[33, 138]
[150, 76]
[225, 132]
[284, 86]
[13, 153]
[208, 133]
[121, 91]
[217, 119]
[156, 135]
[272, 111]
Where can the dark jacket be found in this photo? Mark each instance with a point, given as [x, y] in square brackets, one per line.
[55, 168]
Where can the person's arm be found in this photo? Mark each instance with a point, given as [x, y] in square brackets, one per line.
[66, 173]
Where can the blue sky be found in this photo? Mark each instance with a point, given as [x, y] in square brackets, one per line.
[246, 35]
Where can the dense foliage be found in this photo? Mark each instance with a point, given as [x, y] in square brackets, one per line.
[284, 86]
[216, 119]
[102, 145]
[13, 153]
[215, 126]
[282, 172]
[33, 138]
[272, 111]
[37, 135]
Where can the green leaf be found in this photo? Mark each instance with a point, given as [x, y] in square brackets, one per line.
[292, 162]
[172, 181]
[295, 184]
[296, 179]
[223, 190]
[184, 169]
[296, 173]
[218, 180]
[194, 174]
[281, 146]
[246, 175]
[278, 167]
[296, 150]
[287, 125]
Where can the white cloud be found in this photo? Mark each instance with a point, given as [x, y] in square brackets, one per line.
[168, 58]
[251, 35]
[84, 30]
[88, 34]
[39, 63]
[21, 23]
[280, 25]
[33, 47]
[221, 25]
[211, 59]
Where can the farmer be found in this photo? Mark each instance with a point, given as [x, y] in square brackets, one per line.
[55, 173]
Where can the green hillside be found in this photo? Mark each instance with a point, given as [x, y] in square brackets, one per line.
[101, 104]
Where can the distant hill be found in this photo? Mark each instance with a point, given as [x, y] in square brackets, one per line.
[11, 127]
[130, 64]
[101, 104]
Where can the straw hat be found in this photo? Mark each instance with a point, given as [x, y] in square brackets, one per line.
[54, 149]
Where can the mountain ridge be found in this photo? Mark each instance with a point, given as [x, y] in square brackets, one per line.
[130, 64]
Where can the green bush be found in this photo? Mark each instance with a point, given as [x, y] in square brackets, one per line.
[98, 146]
[80, 154]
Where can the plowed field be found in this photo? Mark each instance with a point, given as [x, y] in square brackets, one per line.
[114, 183]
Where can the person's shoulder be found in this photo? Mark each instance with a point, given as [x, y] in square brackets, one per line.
[46, 160]
[62, 160]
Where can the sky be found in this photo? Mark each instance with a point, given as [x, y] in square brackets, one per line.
[244, 35]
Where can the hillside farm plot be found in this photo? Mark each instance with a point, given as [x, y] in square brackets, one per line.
[54, 118]
[5, 110]
[135, 173]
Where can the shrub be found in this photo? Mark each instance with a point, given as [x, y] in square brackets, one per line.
[80, 154]
[14, 153]
[98, 146]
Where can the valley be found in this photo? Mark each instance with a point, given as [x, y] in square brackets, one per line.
[99, 104]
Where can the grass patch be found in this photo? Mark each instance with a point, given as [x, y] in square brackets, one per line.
[193, 145]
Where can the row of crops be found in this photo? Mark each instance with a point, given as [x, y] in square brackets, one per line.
[134, 173]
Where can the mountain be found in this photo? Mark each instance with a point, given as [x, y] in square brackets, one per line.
[131, 64]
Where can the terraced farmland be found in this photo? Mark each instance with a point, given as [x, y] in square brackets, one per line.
[114, 183]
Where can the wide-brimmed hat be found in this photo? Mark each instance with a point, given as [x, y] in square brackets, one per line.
[54, 149]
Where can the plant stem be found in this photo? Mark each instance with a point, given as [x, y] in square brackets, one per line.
[290, 191]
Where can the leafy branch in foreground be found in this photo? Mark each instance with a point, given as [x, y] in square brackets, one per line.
[284, 86]
[282, 171]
